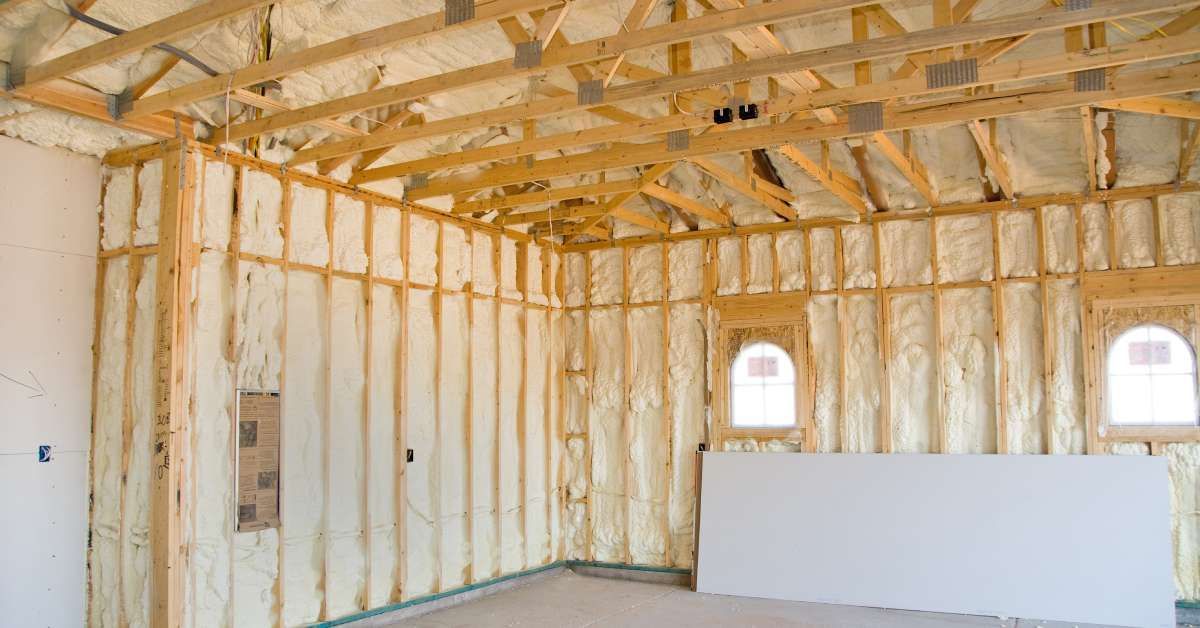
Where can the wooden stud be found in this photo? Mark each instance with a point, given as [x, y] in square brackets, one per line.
[940, 384]
[999, 338]
[172, 340]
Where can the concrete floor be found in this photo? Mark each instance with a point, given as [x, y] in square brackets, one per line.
[569, 599]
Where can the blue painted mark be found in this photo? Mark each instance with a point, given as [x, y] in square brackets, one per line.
[43, 453]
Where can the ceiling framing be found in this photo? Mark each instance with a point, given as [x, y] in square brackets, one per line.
[803, 106]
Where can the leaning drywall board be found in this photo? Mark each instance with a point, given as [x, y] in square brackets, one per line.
[1071, 538]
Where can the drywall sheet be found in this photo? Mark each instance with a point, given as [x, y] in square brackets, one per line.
[917, 532]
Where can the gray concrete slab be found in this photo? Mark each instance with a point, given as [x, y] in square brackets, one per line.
[568, 599]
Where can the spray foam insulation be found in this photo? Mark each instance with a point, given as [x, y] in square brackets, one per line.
[789, 248]
[686, 262]
[1024, 361]
[608, 502]
[761, 263]
[1180, 228]
[729, 266]
[1135, 233]
[968, 369]
[1061, 241]
[645, 274]
[862, 394]
[858, 257]
[824, 261]
[964, 248]
[913, 368]
[906, 248]
[823, 335]
[1018, 244]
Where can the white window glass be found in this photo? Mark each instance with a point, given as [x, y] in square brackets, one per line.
[762, 385]
[1151, 378]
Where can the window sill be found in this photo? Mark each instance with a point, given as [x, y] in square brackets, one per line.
[1150, 434]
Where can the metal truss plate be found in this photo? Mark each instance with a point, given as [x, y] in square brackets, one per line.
[951, 73]
[866, 117]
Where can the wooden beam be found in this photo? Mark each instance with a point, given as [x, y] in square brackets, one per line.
[1176, 79]
[908, 165]
[1187, 154]
[650, 177]
[136, 40]
[664, 84]
[529, 146]
[1087, 117]
[394, 120]
[1173, 107]
[635, 20]
[634, 218]
[746, 187]
[761, 43]
[88, 103]
[139, 90]
[560, 213]
[826, 177]
[687, 204]
[565, 56]
[985, 139]
[353, 45]
[172, 330]
[548, 195]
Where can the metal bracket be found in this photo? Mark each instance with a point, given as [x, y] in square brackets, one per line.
[529, 55]
[1090, 80]
[459, 11]
[952, 73]
[119, 104]
[866, 117]
[14, 77]
[1077, 5]
[529, 161]
[590, 92]
[679, 140]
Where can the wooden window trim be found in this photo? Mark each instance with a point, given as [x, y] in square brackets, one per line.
[770, 318]
[1134, 290]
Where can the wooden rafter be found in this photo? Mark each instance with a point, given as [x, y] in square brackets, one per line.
[984, 133]
[1187, 152]
[353, 45]
[761, 43]
[617, 202]
[397, 118]
[1087, 117]
[1173, 107]
[844, 187]
[766, 67]
[135, 40]
[747, 187]
[82, 101]
[560, 213]
[905, 160]
[1128, 84]
[686, 203]
[549, 195]
[565, 56]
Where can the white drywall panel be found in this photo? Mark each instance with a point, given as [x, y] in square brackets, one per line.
[947, 533]
[48, 234]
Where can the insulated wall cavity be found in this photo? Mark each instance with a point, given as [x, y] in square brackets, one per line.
[862, 394]
[609, 451]
[385, 401]
[1024, 356]
[968, 370]
[512, 380]
[913, 368]
[484, 460]
[420, 476]
[345, 534]
[303, 457]
[687, 393]
[452, 481]
[648, 439]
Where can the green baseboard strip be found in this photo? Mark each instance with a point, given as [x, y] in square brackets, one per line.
[1187, 604]
[487, 583]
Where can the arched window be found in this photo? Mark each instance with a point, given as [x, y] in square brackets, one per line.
[1151, 378]
[762, 385]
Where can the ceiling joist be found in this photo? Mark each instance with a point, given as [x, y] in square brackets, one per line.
[1155, 82]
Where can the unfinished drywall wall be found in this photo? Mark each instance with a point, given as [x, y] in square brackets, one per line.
[368, 365]
[48, 269]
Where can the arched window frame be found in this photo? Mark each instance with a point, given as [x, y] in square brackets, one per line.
[1113, 303]
[789, 367]
[1114, 342]
[779, 319]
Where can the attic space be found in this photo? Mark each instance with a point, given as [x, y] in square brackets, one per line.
[579, 312]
